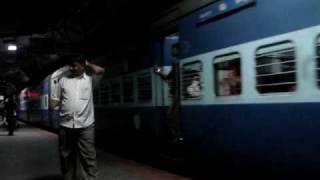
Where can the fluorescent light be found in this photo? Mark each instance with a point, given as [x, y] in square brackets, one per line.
[12, 47]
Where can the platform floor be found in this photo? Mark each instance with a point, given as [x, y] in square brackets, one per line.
[32, 154]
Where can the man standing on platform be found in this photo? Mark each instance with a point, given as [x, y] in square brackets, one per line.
[74, 96]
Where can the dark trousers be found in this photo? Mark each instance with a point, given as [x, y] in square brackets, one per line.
[77, 153]
[173, 119]
[11, 123]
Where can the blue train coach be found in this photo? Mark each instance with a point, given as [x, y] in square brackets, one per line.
[257, 114]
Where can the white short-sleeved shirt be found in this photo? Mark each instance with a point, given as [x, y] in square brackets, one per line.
[76, 96]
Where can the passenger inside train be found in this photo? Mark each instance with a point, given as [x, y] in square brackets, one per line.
[233, 80]
[229, 81]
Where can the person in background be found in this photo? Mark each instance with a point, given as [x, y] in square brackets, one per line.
[194, 89]
[10, 107]
[74, 96]
[2, 111]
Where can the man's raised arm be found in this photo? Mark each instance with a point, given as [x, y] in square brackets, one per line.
[95, 69]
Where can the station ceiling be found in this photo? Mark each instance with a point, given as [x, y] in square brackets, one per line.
[44, 29]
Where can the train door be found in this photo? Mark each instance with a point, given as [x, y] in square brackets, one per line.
[168, 62]
[171, 58]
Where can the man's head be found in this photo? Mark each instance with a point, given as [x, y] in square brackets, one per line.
[175, 50]
[77, 66]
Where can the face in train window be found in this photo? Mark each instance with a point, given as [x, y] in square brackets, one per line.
[227, 75]
[191, 80]
[276, 68]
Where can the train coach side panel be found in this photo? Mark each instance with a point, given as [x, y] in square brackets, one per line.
[260, 20]
[270, 139]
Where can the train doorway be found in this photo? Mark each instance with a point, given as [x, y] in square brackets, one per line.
[171, 52]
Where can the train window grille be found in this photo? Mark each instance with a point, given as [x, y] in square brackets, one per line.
[115, 92]
[144, 87]
[191, 80]
[104, 93]
[128, 90]
[227, 75]
[318, 62]
[276, 68]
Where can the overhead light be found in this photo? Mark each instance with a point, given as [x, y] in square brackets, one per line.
[12, 47]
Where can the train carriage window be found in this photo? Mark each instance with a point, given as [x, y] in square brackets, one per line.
[128, 90]
[191, 84]
[104, 93]
[276, 68]
[318, 62]
[144, 87]
[227, 74]
[115, 92]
